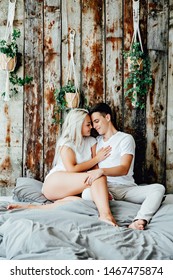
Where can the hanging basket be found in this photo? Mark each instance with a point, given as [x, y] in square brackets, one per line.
[131, 64]
[7, 63]
[72, 99]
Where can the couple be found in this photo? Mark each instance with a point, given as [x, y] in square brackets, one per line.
[99, 169]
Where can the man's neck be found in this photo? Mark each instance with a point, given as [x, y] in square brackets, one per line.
[109, 133]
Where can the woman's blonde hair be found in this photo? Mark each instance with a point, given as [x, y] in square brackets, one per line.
[71, 130]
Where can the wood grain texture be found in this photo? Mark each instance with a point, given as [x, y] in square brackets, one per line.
[104, 28]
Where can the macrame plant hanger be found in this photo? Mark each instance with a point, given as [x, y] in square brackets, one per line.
[8, 64]
[72, 98]
[136, 33]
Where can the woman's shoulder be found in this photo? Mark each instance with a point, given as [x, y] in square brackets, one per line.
[68, 144]
[90, 140]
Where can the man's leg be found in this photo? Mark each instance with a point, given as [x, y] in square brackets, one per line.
[150, 198]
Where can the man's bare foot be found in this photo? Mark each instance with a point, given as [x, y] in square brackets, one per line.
[109, 220]
[138, 224]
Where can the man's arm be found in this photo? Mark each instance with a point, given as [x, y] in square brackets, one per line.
[119, 170]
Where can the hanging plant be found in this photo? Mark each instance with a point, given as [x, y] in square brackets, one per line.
[10, 48]
[66, 97]
[139, 77]
[8, 60]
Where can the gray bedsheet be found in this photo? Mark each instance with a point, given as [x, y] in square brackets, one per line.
[73, 232]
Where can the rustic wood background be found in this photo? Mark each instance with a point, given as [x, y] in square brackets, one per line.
[103, 29]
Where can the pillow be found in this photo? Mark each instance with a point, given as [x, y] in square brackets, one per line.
[29, 190]
[168, 199]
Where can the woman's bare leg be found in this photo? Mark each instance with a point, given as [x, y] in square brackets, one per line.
[43, 206]
[99, 192]
[63, 184]
[60, 185]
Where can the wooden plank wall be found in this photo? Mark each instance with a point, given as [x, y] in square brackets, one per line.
[169, 145]
[11, 113]
[103, 29]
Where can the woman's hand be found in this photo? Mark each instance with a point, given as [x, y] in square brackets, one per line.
[103, 153]
[93, 175]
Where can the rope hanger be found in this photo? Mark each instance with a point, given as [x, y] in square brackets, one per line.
[71, 68]
[71, 72]
[8, 36]
[136, 24]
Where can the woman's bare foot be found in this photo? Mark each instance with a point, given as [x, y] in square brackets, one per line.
[21, 206]
[109, 219]
[138, 224]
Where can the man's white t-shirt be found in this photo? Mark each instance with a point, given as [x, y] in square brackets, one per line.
[83, 153]
[121, 143]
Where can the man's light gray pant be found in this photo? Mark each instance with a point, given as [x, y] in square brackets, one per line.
[149, 196]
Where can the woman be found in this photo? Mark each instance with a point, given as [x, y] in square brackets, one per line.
[75, 154]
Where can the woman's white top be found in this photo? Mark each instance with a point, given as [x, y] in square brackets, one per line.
[121, 143]
[83, 153]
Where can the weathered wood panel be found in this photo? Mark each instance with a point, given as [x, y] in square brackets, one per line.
[52, 75]
[157, 98]
[103, 29]
[33, 97]
[169, 142]
[134, 118]
[11, 113]
[113, 60]
[93, 80]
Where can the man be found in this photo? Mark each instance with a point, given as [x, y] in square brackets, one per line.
[118, 168]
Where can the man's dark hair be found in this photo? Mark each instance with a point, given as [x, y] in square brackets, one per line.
[101, 108]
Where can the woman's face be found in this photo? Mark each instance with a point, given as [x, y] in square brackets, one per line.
[86, 126]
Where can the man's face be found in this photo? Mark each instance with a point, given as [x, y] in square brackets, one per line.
[100, 122]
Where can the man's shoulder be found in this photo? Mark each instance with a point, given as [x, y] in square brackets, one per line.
[125, 134]
[127, 139]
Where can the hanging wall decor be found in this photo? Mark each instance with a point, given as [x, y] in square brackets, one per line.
[72, 90]
[68, 97]
[9, 53]
[8, 48]
[139, 78]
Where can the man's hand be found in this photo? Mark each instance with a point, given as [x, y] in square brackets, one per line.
[93, 175]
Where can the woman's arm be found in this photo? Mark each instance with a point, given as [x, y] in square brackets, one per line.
[118, 170]
[69, 159]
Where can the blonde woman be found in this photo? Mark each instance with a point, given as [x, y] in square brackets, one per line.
[75, 154]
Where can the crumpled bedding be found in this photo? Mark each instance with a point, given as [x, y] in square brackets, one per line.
[74, 232]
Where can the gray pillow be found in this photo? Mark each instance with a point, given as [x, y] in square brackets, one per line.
[29, 190]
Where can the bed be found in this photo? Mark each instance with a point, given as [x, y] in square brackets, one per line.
[73, 231]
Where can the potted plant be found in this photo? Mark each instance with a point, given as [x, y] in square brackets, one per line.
[8, 52]
[67, 96]
[8, 60]
[139, 75]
